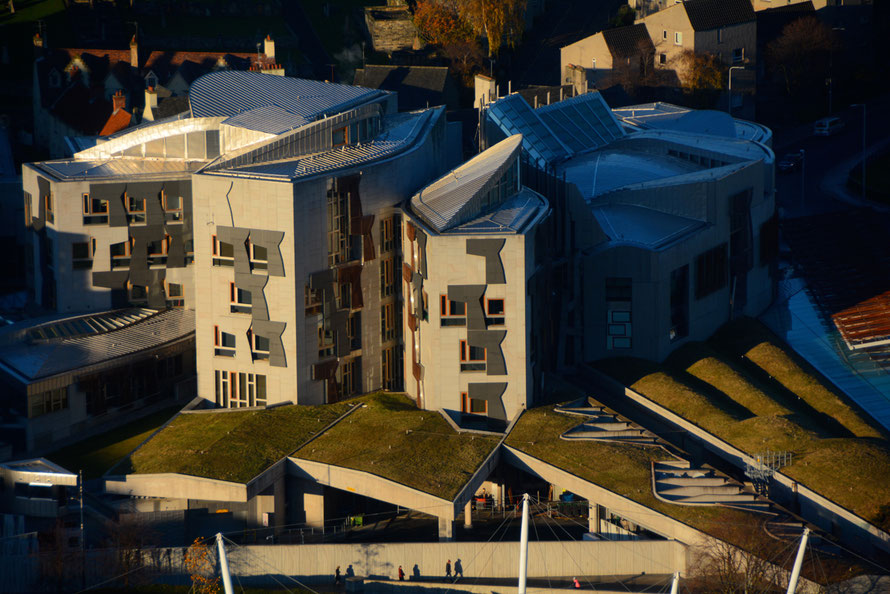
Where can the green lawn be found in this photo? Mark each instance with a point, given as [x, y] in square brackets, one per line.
[394, 439]
[95, 455]
[30, 11]
[230, 445]
[748, 388]
[620, 468]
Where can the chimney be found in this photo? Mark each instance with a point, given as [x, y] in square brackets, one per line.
[151, 101]
[134, 53]
[38, 45]
[119, 101]
[269, 48]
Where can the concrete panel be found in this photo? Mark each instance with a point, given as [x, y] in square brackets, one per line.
[490, 249]
[491, 341]
[472, 296]
[176, 486]
[492, 393]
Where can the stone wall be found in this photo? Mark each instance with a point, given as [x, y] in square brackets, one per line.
[391, 28]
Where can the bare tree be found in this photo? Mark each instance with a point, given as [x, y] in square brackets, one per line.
[801, 54]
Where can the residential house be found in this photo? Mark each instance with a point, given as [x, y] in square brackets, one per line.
[418, 87]
[622, 54]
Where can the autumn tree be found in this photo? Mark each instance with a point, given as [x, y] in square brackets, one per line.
[501, 21]
[801, 55]
[200, 562]
[440, 23]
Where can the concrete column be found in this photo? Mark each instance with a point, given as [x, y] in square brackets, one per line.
[468, 514]
[446, 529]
[313, 504]
[280, 497]
[595, 516]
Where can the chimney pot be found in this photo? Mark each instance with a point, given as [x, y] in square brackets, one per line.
[119, 101]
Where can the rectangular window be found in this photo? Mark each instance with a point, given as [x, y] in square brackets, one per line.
[135, 209]
[260, 347]
[157, 251]
[710, 271]
[47, 402]
[172, 207]
[138, 293]
[175, 295]
[325, 341]
[678, 38]
[387, 364]
[738, 55]
[476, 406]
[662, 59]
[387, 322]
[338, 225]
[495, 312]
[387, 277]
[239, 299]
[223, 253]
[48, 203]
[311, 301]
[259, 256]
[720, 35]
[452, 313]
[619, 289]
[387, 234]
[471, 358]
[348, 380]
[95, 211]
[82, 254]
[339, 137]
[224, 343]
[664, 34]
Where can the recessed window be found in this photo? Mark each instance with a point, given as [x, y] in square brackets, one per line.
[82, 254]
[476, 406]
[472, 358]
[223, 253]
[95, 211]
[495, 312]
[664, 34]
[172, 207]
[48, 203]
[240, 299]
[175, 295]
[138, 293]
[452, 313]
[710, 271]
[260, 347]
[678, 38]
[120, 254]
[662, 59]
[738, 55]
[387, 322]
[223, 342]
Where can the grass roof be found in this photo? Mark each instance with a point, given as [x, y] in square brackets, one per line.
[621, 468]
[748, 388]
[394, 439]
[229, 445]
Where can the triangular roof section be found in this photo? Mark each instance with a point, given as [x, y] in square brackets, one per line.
[449, 201]
[705, 15]
[629, 41]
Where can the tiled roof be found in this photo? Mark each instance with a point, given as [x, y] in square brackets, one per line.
[417, 86]
[712, 14]
[119, 120]
[229, 93]
[171, 106]
[36, 359]
[628, 42]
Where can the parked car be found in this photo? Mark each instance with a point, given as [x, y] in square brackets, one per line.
[828, 126]
[790, 162]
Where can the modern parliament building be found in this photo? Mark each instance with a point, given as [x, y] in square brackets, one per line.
[330, 246]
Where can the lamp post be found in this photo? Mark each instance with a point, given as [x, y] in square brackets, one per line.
[862, 105]
[731, 68]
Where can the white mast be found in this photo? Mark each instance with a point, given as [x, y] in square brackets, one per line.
[523, 545]
[798, 562]
[675, 582]
[224, 565]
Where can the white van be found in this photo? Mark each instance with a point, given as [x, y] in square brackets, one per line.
[828, 126]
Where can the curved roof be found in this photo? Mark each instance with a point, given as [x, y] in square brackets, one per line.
[228, 93]
[448, 201]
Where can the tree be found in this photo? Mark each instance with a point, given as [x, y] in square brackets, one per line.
[802, 53]
[501, 21]
[440, 23]
[703, 72]
[626, 16]
[199, 561]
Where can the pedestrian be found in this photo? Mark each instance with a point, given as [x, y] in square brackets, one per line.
[401, 574]
[448, 569]
[576, 584]
[337, 576]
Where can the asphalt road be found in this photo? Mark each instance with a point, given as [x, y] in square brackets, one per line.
[812, 190]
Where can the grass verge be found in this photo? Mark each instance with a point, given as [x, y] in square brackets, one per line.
[95, 455]
[393, 439]
[230, 445]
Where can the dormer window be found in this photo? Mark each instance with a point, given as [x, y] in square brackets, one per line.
[151, 80]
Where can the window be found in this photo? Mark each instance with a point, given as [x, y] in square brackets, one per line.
[662, 59]
[354, 331]
[338, 225]
[222, 388]
[710, 271]
[27, 209]
[238, 390]
[387, 277]
[120, 254]
[48, 202]
[325, 341]
[387, 322]
[738, 55]
[223, 342]
[593, 65]
[95, 211]
[391, 363]
[388, 234]
[476, 406]
[679, 303]
[471, 358]
[618, 329]
[344, 295]
[495, 311]
[349, 382]
[138, 293]
[339, 137]
[175, 295]
[311, 301]
[720, 35]
[172, 207]
[259, 256]
[664, 34]
[82, 254]
[240, 300]
[157, 251]
[452, 313]
[619, 289]
[259, 346]
[47, 402]
[135, 209]
[223, 253]
[678, 38]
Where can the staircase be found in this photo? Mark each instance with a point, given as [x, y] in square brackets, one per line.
[600, 425]
[675, 481]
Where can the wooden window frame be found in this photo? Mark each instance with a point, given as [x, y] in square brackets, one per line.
[334, 131]
[465, 353]
[88, 206]
[488, 310]
[130, 201]
[466, 404]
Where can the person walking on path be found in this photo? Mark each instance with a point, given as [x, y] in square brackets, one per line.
[448, 569]
[337, 576]
[401, 574]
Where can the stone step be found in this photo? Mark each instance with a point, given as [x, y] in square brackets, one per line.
[681, 481]
[700, 490]
[715, 498]
[685, 464]
[684, 472]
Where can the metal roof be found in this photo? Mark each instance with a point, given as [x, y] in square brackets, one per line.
[511, 217]
[229, 93]
[666, 116]
[705, 15]
[629, 42]
[514, 116]
[448, 201]
[118, 167]
[644, 227]
[391, 141]
[46, 357]
[583, 122]
[270, 119]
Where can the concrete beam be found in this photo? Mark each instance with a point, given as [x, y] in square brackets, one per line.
[176, 486]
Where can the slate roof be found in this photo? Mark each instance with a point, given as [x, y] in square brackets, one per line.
[417, 86]
[628, 42]
[40, 358]
[170, 106]
[705, 15]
